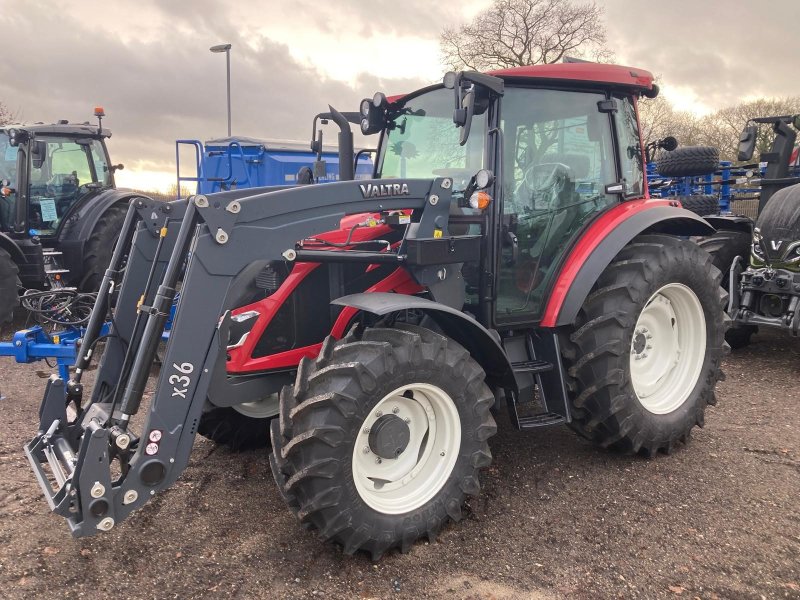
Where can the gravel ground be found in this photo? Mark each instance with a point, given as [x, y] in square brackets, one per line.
[556, 518]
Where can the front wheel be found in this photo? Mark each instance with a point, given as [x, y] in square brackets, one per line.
[645, 353]
[240, 427]
[382, 437]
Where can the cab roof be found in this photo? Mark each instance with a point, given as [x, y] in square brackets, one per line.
[579, 72]
[62, 128]
[615, 75]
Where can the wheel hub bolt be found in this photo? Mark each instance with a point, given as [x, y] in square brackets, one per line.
[649, 346]
[378, 413]
[366, 450]
[649, 336]
[366, 430]
[441, 453]
[407, 420]
[378, 461]
[395, 410]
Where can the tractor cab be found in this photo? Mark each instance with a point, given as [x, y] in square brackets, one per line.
[60, 211]
[558, 156]
[46, 171]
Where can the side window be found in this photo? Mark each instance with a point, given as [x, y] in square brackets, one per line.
[70, 161]
[101, 167]
[630, 147]
[558, 158]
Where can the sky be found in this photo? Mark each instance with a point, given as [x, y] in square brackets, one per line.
[147, 62]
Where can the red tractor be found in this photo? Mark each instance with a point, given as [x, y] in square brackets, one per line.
[506, 248]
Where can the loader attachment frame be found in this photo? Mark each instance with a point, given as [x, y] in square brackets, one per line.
[200, 245]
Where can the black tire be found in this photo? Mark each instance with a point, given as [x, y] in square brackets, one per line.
[598, 353]
[100, 247]
[320, 425]
[723, 247]
[9, 286]
[688, 161]
[780, 219]
[700, 205]
[227, 426]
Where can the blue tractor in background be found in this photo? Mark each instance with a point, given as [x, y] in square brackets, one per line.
[219, 165]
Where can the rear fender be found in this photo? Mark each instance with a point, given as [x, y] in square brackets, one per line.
[89, 213]
[603, 240]
[480, 343]
[731, 223]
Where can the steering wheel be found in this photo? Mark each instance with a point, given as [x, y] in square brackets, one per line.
[541, 184]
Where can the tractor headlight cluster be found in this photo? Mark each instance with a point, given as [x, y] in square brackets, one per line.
[373, 113]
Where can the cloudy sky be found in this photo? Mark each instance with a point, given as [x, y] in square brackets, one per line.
[147, 61]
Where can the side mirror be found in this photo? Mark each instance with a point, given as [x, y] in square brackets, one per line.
[747, 143]
[669, 143]
[449, 80]
[320, 170]
[118, 167]
[38, 154]
[463, 116]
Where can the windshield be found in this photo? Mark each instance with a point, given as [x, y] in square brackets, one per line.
[422, 142]
[62, 171]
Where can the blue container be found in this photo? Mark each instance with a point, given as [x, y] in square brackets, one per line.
[241, 162]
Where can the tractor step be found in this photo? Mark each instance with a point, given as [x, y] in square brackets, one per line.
[545, 419]
[532, 366]
[56, 271]
[51, 252]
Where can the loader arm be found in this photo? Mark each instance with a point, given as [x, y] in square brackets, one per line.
[221, 234]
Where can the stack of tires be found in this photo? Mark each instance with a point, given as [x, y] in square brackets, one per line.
[691, 161]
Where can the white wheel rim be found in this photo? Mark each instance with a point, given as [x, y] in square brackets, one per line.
[399, 485]
[259, 409]
[668, 348]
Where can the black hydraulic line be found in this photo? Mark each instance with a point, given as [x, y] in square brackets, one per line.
[347, 256]
[157, 318]
[130, 351]
[101, 304]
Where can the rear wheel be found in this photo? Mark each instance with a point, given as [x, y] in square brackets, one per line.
[9, 286]
[724, 246]
[100, 247]
[645, 353]
[382, 437]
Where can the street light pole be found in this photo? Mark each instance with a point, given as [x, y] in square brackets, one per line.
[226, 48]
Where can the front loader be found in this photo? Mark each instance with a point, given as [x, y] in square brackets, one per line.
[520, 259]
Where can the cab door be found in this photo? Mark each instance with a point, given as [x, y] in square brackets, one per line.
[558, 157]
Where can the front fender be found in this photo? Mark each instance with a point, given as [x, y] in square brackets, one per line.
[10, 246]
[603, 240]
[479, 341]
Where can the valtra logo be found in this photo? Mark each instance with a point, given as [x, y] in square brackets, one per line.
[371, 190]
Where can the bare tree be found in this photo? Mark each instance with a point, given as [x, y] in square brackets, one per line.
[722, 128]
[513, 33]
[659, 119]
[6, 114]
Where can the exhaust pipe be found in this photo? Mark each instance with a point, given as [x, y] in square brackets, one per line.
[346, 170]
